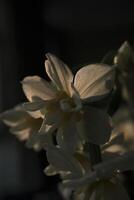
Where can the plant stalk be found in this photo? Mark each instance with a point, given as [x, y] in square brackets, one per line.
[94, 154]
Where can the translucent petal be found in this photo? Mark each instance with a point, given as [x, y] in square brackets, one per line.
[38, 140]
[88, 178]
[108, 190]
[58, 72]
[33, 106]
[94, 126]
[50, 171]
[14, 116]
[67, 136]
[124, 57]
[47, 129]
[61, 160]
[121, 163]
[36, 114]
[53, 117]
[94, 81]
[34, 86]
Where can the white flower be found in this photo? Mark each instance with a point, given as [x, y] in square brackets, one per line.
[60, 100]
[102, 190]
[76, 174]
[24, 125]
[122, 137]
[125, 58]
[104, 170]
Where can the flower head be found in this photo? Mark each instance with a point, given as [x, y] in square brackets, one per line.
[61, 100]
[24, 125]
[101, 182]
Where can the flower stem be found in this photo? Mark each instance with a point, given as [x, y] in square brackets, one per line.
[94, 154]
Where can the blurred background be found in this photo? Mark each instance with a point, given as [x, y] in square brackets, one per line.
[79, 32]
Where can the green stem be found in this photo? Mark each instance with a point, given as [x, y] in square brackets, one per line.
[94, 154]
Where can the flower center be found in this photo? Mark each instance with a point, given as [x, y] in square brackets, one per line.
[70, 104]
[67, 105]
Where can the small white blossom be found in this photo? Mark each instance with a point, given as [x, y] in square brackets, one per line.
[60, 100]
[25, 125]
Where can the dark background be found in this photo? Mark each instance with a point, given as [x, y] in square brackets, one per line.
[77, 31]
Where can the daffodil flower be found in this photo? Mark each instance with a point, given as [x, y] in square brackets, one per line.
[102, 190]
[61, 101]
[125, 58]
[104, 170]
[24, 125]
[99, 183]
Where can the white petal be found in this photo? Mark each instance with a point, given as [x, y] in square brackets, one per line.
[50, 171]
[23, 135]
[33, 106]
[88, 178]
[104, 170]
[30, 126]
[121, 163]
[95, 126]
[107, 190]
[124, 57]
[38, 140]
[61, 160]
[53, 117]
[14, 116]
[47, 129]
[67, 136]
[34, 86]
[36, 114]
[111, 191]
[94, 81]
[58, 72]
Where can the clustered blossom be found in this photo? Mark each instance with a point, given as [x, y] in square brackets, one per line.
[62, 117]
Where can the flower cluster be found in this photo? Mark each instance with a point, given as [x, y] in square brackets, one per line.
[68, 117]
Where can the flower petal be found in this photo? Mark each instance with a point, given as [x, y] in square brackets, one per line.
[88, 178]
[94, 81]
[67, 136]
[35, 86]
[38, 140]
[58, 72]
[14, 116]
[116, 165]
[53, 117]
[95, 126]
[50, 171]
[111, 191]
[33, 106]
[108, 190]
[62, 161]
[124, 57]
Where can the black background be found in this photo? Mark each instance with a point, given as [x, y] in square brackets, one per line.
[78, 32]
